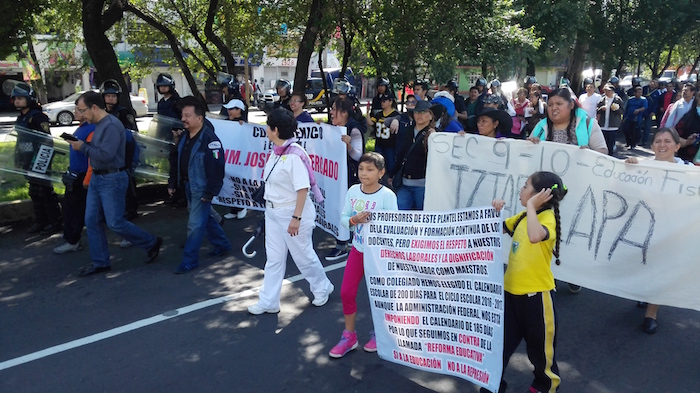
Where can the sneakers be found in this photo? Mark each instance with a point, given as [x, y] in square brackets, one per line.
[257, 309]
[371, 345]
[348, 342]
[239, 215]
[67, 247]
[573, 288]
[320, 301]
[337, 254]
[125, 243]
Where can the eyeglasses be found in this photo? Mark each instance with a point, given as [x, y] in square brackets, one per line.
[411, 102]
[81, 111]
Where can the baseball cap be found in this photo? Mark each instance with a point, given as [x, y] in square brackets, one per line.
[235, 103]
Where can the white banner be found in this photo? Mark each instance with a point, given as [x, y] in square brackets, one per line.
[435, 283]
[247, 149]
[626, 229]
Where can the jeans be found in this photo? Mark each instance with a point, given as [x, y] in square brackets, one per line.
[389, 154]
[201, 223]
[410, 197]
[105, 204]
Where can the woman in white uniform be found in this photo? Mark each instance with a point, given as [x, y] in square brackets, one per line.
[289, 216]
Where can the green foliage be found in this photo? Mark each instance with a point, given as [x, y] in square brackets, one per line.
[18, 23]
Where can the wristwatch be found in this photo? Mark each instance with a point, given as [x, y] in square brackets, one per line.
[297, 217]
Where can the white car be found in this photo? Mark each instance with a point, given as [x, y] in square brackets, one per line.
[626, 82]
[61, 112]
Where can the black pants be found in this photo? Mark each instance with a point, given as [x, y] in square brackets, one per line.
[533, 318]
[74, 211]
[610, 137]
[632, 134]
[132, 200]
[45, 201]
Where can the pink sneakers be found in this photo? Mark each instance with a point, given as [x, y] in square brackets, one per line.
[371, 345]
[348, 342]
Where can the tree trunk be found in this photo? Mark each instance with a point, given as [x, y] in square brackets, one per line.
[39, 84]
[99, 47]
[578, 56]
[325, 80]
[174, 46]
[530, 69]
[218, 42]
[306, 46]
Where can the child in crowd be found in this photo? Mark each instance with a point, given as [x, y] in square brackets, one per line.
[528, 281]
[360, 201]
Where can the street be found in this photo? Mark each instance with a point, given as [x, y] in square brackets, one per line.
[140, 328]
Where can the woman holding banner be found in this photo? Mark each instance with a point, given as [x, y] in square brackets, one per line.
[290, 216]
[567, 123]
[343, 115]
[665, 145]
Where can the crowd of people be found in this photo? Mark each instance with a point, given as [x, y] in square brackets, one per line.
[99, 180]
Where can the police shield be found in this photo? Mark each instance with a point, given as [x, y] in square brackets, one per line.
[32, 154]
[153, 160]
[161, 127]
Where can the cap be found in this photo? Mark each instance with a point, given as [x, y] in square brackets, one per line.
[422, 106]
[235, 103]
[608, 86]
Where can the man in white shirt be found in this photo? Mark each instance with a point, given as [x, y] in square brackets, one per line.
[680, 107]
[590, 99]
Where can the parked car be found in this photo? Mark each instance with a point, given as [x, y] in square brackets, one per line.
[626, 82]
[61, 112]
[667, 76]
[268, 100]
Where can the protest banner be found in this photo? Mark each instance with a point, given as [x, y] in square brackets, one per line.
[624, 226]
[435, 283]
[246, 149]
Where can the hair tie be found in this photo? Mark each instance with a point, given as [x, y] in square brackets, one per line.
[556, 185]
[557, 261]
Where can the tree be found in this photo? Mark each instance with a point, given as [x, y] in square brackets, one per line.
[97, 19]
[18, 23]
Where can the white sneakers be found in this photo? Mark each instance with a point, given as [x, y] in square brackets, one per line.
[240, 215]
[257, 309]
[67, 247]
[125, 243]
[320, 301]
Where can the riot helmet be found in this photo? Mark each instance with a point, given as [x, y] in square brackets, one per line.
[614, 80]
[110, 86]
[529, 80]
[587, 81]
[383, 82]
[284, 84]
[22, 89]
[636, 81]
[481, 82]
[495, 83]
[341, 86]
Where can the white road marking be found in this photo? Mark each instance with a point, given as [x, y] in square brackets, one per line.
[145, 322]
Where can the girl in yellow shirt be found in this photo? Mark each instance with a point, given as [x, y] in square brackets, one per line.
[528, 281]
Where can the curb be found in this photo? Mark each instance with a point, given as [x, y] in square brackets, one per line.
[16, 211]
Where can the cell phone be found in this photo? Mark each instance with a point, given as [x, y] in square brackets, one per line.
[69, 137]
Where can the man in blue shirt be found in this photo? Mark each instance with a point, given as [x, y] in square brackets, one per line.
[634, 113]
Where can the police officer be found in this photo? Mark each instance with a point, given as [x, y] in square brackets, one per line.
[496, 90]
[344, 90]
[111, 91]
[232, 91]
[383, 88]
[47, 213]
[167, 104]
[284, 91]
[615, 81]
[460, 105]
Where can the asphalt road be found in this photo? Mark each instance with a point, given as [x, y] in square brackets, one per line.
[122, 335]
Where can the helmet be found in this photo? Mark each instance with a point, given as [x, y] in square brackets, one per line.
[614, 80]
[529, 80]
[110, 86]
[341, 86]
[495, 83]
[24, 90]
[588, 81]
[564, 82]
[424, 84]
[481, 82]
[636, 81]
[232, 84]
[383, 82]
[165, 80]
[452, 85]
[283, 83]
